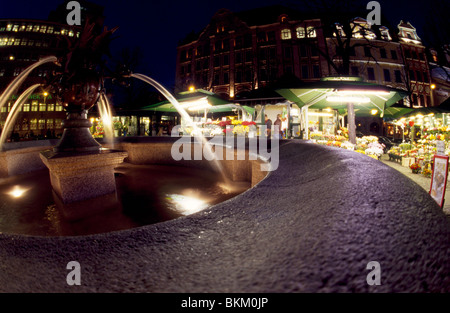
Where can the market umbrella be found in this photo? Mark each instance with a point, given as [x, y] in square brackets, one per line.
[425, 111]
[197, 100]
[340, 93]
[396, 111]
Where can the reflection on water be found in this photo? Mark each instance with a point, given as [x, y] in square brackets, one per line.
[146, 194]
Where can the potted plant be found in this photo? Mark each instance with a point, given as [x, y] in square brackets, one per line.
[415, 167]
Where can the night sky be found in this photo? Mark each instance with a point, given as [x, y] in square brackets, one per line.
[157, 26]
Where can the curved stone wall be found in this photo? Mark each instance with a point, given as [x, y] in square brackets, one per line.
[313, 225]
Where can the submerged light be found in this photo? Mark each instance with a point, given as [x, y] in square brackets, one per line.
[17, 192]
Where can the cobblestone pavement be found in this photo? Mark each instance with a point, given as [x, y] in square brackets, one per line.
[421, 180]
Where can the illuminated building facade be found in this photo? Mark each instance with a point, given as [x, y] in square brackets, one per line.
[416, 65]
[22, 43]
[240, 52]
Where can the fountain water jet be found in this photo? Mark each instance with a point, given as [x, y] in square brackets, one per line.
[18, 81]
[210, 154]
[104, 109]
[10, 119]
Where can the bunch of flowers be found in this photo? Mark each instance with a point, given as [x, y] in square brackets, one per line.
[99, 131]
[415, 166]
[247, 123]
[240, 130]
[427, 172]
[348, 145]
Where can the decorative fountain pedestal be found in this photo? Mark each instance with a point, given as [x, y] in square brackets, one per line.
[79, 168]
[77, 176]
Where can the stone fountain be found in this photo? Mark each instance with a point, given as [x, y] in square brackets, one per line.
[80, 169]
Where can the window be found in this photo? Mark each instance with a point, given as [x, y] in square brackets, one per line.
[311, 32]
[305, 71]
[367, 52]
[42, 107]
[387, 75]
[216, 79]
[34, 106]
[316, 71]
[425, 77]
[303, 52]
[398, 76]
[50, 123]
[238, 77]
[419, 76]
[287, 52]
[383, 53]
[26, 107]
[300, 32]
[411, 75]
[355, 71]
[248, 75]
[41, 124]
[285, 34]
[226, 78]
[58, 108]
[216, 61]
[263, 74]
[371, 73]
[407, 53]
[33, 124]
[51, 107]
[394, 54]
[238, 57]
[36, 28]
[226, 60]
[352, 51]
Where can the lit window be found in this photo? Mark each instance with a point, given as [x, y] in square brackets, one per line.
[29, 28]
[311, 32]
[43, 28]
[34, 106]
[31, 42]
[285, 34]
[50, 30]
[58, 123]
[42, 107]
[26, 107]
[17, 42]
[9, 27]
[300, 32]
[41, 124]
[4, 109]
[71, 33]
[58, 108]
[51, 107]
[50, 123]
[22, 28]
[36, 28]
[33, 124]
[24, 42]
[15, 28]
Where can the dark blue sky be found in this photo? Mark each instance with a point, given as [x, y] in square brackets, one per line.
[156, 26]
